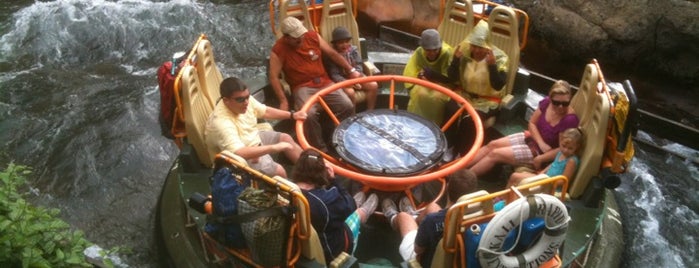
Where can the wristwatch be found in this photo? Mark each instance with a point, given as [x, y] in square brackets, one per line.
[291, 114]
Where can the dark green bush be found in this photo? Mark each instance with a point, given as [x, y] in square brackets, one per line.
[34, 236]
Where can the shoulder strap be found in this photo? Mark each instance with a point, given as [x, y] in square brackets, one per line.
[247, 217]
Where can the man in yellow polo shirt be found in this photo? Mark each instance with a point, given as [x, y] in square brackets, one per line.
[232, 127]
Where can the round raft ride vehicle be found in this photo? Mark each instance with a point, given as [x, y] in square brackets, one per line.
[392, 150]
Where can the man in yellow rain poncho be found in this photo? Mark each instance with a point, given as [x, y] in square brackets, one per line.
[481, 71]
[432, 57]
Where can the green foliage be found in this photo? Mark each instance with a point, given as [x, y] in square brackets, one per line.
[34, 236]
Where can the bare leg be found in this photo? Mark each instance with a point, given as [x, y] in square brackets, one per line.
[295, 151]
[404, 223]
[517, 177]
[280, 171]
[501, 155]
[350, 93]
[372, 91]
[485, 150]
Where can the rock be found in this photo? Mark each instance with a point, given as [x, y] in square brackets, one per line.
[96, 256]
[641, 36]
[412, 16]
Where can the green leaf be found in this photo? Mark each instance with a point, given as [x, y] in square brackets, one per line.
[4, 224]
[59, 254]
[74, 259]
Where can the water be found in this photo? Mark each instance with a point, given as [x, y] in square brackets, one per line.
[79, 104]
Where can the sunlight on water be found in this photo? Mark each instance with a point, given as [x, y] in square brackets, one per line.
[77, 30]
[654, 211]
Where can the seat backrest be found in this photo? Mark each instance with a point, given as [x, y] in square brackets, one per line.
[457, 21]
[459, 212]
[503, 26]
[535, 189]
[593, 108]
[339, 13]
[209, 75]
[298, 9]
[196, 112]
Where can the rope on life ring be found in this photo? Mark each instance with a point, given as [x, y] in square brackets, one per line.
[556, 219]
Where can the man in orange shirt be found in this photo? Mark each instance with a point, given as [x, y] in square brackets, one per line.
[299, 54]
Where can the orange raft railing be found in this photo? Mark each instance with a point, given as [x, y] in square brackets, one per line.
[385, 183]
[299, 231]
[479, 209]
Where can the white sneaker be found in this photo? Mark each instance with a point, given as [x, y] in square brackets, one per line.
[370, 204]
[406, 206]
[389, 208]
[359, 198]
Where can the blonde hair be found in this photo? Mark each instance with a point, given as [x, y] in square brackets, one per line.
[573, 134]
[560, 87]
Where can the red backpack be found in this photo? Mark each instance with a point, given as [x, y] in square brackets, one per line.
[166, 84]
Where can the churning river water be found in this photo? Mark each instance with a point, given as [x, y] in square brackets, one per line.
[79, 104]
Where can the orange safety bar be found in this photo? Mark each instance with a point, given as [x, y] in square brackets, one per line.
[304, 219]
[300, 228]
[389, 183]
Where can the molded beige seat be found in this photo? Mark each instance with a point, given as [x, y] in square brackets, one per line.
[593, 109]
[298, 10]
[477, 208]
[209, 75]
[306, 236]
[503, 28]
[536, 189]
[457, 21]
[304, 239]
[311, 248]
[196, 109]
[459, 212]
[337, 14]
[504, 34]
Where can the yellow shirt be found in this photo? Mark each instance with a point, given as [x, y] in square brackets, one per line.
[228, 131]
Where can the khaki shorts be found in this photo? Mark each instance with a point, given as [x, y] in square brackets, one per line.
[265, 163]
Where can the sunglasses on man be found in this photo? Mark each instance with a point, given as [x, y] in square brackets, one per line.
[241, 99]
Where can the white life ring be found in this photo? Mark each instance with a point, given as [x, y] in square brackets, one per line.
[556, 220]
